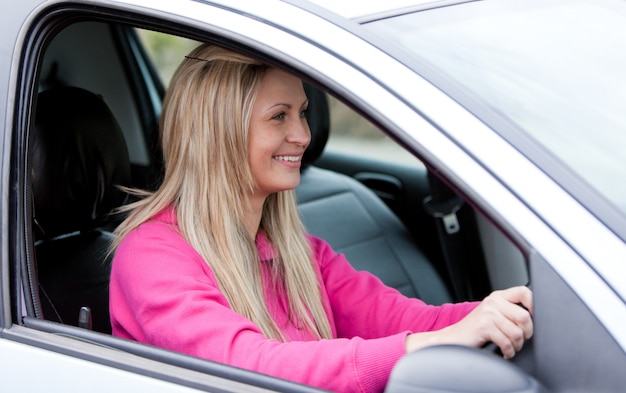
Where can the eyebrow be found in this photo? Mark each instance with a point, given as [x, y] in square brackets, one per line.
[304, 103]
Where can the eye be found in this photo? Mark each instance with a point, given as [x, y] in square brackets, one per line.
[279, 116]
[304, 112]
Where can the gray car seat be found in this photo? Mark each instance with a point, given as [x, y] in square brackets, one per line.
[356, 222]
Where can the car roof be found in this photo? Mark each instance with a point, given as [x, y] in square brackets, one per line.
[368, 9]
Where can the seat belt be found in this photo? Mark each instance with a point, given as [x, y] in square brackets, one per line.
[443, 204]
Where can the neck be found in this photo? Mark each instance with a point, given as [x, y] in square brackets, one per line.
[253, 214]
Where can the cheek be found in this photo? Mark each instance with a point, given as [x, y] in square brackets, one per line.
[259, 160]
[253, 147]
[262, 145]
[254, 160]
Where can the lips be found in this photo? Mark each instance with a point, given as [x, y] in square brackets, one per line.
[288, 158]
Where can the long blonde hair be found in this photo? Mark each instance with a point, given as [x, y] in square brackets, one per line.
[204, 130]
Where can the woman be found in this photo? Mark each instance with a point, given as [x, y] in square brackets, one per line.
[216, 263]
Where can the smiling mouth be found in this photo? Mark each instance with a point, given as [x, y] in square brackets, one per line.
[288, 158]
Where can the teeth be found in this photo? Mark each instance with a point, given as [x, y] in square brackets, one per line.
[288, 158]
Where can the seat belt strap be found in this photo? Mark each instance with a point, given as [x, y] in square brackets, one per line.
[443, 204]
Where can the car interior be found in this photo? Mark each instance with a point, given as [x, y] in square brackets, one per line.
[371, 210]
[96, 129]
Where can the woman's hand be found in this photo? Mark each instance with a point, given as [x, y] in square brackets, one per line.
[504, 318]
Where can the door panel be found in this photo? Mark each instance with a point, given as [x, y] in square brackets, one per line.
[594, 363]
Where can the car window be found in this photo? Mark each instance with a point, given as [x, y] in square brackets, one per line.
[395, 175]
[351, 135]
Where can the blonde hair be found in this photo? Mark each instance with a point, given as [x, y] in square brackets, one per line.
[204, 130]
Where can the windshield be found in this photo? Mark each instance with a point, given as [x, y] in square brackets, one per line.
[557, 69]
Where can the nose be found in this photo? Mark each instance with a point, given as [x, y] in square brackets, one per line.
[300, 133]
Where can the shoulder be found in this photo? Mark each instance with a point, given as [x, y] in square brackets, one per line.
[325, 257]
[157, 245]
[319, 247]
[152, 235]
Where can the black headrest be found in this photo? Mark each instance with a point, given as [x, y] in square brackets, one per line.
[79, 158]
[318, 118]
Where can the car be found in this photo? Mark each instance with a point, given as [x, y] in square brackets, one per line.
[472, 146]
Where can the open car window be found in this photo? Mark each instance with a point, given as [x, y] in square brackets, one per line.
[356, 148]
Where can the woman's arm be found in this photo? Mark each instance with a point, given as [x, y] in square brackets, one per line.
[363, 306]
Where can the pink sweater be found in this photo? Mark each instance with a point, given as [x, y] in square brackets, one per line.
[164, 294]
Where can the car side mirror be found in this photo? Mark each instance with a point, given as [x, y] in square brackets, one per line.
[453, 368]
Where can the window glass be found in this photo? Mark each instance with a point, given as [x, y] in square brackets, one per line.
[166, 51]
[353, 134]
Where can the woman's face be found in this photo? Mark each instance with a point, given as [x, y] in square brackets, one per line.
[278, 133]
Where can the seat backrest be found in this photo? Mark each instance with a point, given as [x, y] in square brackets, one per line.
[79, 158]
[356, 222]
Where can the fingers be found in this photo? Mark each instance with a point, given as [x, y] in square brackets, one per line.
[513, 308]
[519, 295]
[509, 337]
[510, 314]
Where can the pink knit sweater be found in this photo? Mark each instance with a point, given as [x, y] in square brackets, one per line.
[164, 294]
